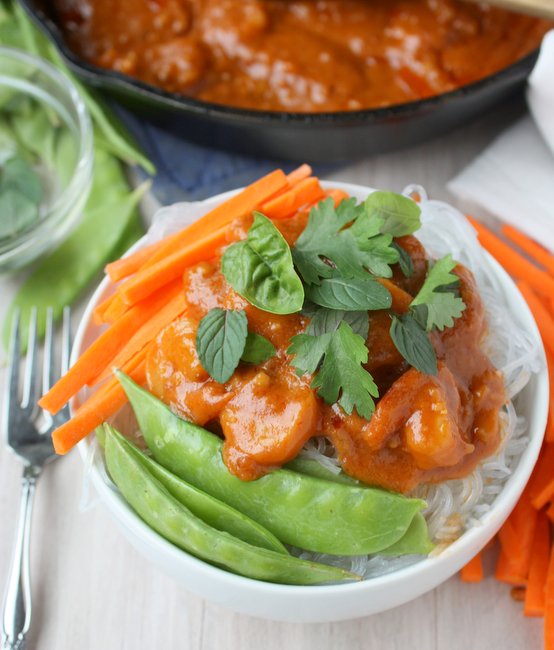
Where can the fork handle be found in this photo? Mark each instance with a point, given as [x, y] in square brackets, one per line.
[16, 616]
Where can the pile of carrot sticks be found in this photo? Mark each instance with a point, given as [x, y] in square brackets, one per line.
[148, 295]
[526, 560]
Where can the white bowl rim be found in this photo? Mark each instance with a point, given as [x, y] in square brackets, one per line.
[468, 544]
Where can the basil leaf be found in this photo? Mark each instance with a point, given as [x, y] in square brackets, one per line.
[328, 320]
[260, 269]
[220, 341]
[404, 261]
[257, 349]
[350, 294]
[413, 343]
[400, 215]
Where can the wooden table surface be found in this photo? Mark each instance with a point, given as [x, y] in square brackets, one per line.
[93, 591]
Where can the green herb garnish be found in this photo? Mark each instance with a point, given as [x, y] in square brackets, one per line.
[350, 294]
[413, 343]
[442, 306]
[257, 349]
[220, 342]
[399, 214]
[324, 321]
[260, 269]
[341, 378]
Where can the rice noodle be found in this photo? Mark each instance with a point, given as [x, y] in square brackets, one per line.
[452, 506]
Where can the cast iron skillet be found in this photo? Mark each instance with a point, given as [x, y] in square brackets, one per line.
[312, 137]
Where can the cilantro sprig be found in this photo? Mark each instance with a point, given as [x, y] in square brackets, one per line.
[341, 377]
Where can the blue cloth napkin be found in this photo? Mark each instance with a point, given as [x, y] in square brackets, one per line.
[190, 172]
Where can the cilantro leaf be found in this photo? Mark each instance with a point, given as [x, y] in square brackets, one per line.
[399, 214]
[308, 351]
[413, 343]
[260, 269]
[342, 378]
[220, 341]
[257, 349]
[442, 306]
[326, 321]
[350, 294]
[326, 247]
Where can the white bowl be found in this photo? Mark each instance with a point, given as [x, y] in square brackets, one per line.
[328, 602]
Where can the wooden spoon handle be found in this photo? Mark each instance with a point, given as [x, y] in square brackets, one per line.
[540, 8]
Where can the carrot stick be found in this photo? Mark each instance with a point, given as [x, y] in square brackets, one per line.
[115, 310]
[147, 333]
[400, 299]
[98, 408]
[288, 204]
[102, 351]
[473, 570]
[513, 262]
[299, 174]
[544, 321]
[549, 606]
[516, 536]
[535, 594]
[337, 195]
[534, 250]
[542, 476]
[150, 279]
[505, 572]
[237, 206]
[131, 263]
[550, 512]
[101, 309]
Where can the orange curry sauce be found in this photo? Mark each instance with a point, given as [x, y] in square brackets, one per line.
[300, 55]
[424, 428]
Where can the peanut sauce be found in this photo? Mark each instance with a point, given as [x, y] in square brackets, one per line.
[424, 429]
[300, 55]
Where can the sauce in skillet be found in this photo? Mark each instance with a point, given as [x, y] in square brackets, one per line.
[300, 55]
[424, 429]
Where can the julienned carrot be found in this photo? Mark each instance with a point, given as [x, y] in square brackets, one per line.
[513, 262]
[237, 206]
[126, 266]
[337, 195]
[100, 310]
[98, 408]
[550, 512]
[534, 250]
[535, 594]
[549, 605]
[516, 536]
[116, 310]
[542, 475]
[299, 174]
[544, 321]
[102, 351]
[506, 572]
[473, 570]
[147, 333]
[150, 279]
[288, 204]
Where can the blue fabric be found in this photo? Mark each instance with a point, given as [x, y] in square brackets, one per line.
[190, 172]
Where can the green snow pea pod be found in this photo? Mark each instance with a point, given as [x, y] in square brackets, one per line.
[205, 507]
[171, 519]
[415, 540]
[307, 512]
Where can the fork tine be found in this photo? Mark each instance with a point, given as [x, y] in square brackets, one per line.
[12, 377]
[66, 339]
[30, 383]
[48, 366]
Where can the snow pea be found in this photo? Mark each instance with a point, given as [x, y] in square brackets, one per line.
[415, 540]
[302, 510]
[202, 505]
[171, 519]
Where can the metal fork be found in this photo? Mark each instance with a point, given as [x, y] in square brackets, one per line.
[28, 432]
